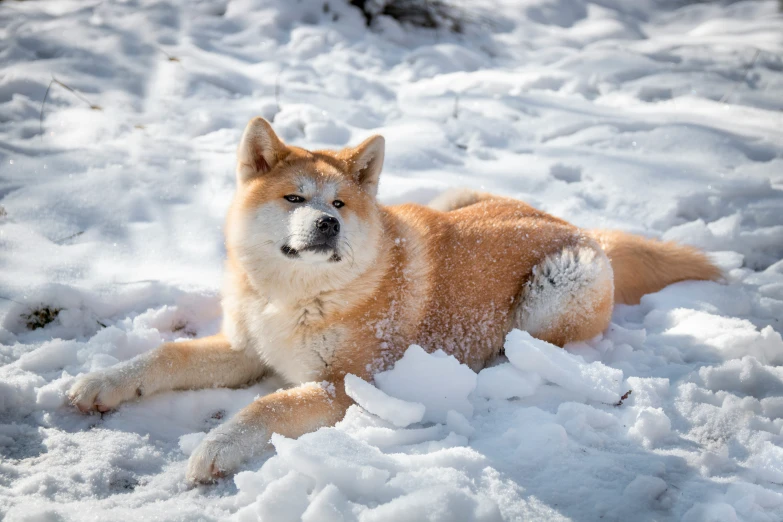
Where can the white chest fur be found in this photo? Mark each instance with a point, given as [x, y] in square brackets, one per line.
[288, 338]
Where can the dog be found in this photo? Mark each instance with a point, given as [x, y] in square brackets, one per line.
[321, 280]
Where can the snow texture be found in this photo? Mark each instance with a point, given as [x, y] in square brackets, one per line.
[658, 117]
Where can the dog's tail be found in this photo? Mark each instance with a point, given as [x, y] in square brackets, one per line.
[642, 266]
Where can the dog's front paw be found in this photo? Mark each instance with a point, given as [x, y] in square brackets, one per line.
[103, 390]
[223, 450]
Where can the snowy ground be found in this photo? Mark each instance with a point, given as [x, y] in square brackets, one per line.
[638, 115]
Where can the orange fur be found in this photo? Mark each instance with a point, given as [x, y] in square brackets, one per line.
[643, 266]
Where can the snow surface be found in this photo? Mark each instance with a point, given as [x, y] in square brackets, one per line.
[651, 116]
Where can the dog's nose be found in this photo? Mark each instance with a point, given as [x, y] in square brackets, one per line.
[328, 226]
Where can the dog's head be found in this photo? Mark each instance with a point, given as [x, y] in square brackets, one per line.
[304, 211]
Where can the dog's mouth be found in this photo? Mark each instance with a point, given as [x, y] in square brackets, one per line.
[294, 253]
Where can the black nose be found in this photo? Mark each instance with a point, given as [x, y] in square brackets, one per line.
[328, 226]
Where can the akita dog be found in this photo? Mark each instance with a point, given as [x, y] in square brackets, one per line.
[322, 281]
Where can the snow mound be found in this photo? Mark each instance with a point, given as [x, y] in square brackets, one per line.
[332, 475]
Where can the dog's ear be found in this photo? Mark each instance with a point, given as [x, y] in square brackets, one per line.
[259, 151]
[367, 162]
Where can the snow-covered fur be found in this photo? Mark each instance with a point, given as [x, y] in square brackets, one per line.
[323, 281]
[565, 292]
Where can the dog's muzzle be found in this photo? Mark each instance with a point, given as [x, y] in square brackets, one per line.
[323, 240]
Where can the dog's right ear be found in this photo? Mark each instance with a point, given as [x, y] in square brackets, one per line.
[259, 151]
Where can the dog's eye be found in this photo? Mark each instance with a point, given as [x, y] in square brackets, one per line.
[338, 204]
[293, 198]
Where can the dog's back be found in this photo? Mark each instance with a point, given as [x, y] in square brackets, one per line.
[562, 280]
[486, 263]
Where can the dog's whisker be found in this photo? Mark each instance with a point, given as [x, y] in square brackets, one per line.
[350, 248]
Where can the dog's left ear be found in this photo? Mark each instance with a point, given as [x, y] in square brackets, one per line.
[367, 162]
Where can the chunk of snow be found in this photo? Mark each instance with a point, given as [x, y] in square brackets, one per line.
[398, 412]
[504, 381]
[456, 422]
[644, 489]
[652, 425]
[595, 381]
[190, 441]
[332, 456]
[436, 380]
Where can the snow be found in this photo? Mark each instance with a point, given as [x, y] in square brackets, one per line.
[504, 382]
[595, 380]
[659, 117]
[438, 381]
[400, 413]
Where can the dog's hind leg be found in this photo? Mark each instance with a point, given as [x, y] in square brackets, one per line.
[569, 296]
[200, 363]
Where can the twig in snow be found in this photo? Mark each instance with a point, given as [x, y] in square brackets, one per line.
[66, 238]
[625, 396]
[170, 57]
[455, 113]
[72, 90]
[744, 76]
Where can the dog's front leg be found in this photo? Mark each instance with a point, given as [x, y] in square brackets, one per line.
[291, 413]
[200, 363]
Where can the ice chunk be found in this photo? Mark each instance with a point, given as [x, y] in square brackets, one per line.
[398, 412]
[505, 381]
[437, 380]
[595, 381]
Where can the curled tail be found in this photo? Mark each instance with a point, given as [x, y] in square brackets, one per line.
[642, 266]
